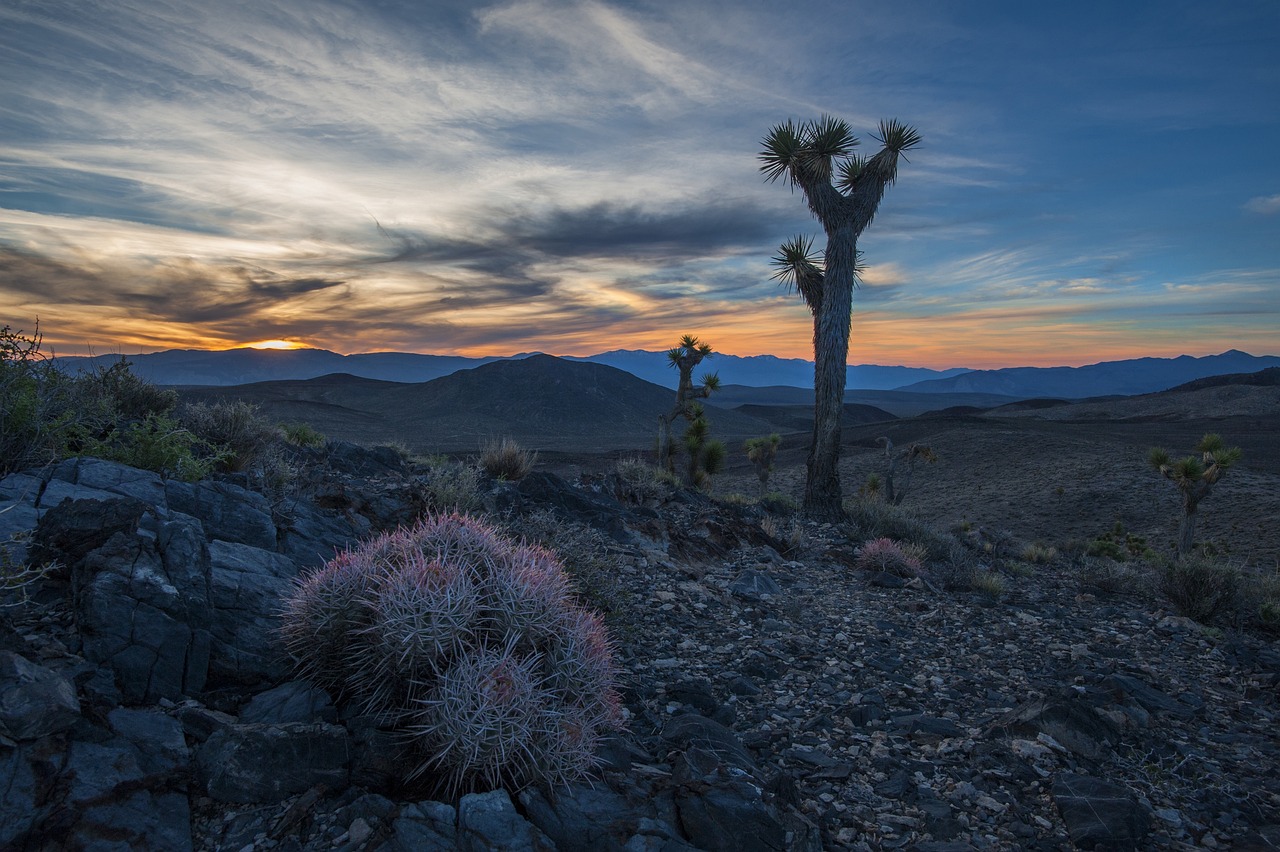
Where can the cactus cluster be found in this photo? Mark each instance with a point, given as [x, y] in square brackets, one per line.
[467, 643]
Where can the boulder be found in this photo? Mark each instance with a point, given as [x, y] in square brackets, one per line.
[141, 606]
[225, 510]
[489, 821]
[1099, 814]
[247, 585]
[582, 818]
[256, 764]
[34, 701]
[425, 827]
[295, 701]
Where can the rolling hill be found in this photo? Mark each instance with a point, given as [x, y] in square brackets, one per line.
[541, 401]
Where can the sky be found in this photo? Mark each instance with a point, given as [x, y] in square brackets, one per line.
[1096, 181]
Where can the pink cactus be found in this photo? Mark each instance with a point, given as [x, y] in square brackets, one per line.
[885, 554]
[467, 642]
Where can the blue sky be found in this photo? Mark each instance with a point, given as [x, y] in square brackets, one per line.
[1096, 181]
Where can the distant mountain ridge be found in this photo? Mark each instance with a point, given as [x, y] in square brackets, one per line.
[244, 366]
[1125, 378]
[1107, 378]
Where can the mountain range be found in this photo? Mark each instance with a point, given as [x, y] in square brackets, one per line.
[186, 367]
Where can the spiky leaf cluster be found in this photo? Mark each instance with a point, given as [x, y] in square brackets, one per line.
[467, 643]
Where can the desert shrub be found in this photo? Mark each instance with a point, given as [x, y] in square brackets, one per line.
[122, 394]
[162, 445]
[876, 519]
[400, 448]
[885, 554]
[302, 435]
[737, 498]
[957, 568]
[777, 503]
[466, 643]
[40, 419]
[449, 486]
[238, 427]
[507, 460]
[989, 584]
[1120, 545]
[1103, 574]
[17, 578]
[1200, 588]
[1039, 554]
[790, 533]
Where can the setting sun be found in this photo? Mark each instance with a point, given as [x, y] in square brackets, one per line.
[275, 344]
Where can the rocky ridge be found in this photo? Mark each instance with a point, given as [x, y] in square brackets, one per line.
[778, 698]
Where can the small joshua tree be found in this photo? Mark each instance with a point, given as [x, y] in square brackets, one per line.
[706, 455]
[1194, 477]
[761, 452]
[684, 358]
[895, 486]
[466, 643]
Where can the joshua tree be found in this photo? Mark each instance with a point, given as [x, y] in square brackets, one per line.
[684, 358]
[896, 487]
[1195, 478]
[843, 192]
[761, 452]
[706, 455]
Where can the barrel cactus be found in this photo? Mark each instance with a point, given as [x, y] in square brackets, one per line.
[467, 643]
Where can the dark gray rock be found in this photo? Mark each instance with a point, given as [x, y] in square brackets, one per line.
[200, 723]
[489, 821]
[656, 836]
[247, 585]
[697, 693]
[225, 510]
[310, 536]
[75, 527]
[295, 701]
[722, 811]
[1099, 814]
[114, 803]
[18, 802]
[1067, 718]
[113, 478]
[599, 510]
[687, 730]
[425, 827]
[582, 818]
[268, 763]
[357, 460]
[752, 585]
[157, 738]
[34, 701]
[143, 611]
[18, 515]
[1127, 688]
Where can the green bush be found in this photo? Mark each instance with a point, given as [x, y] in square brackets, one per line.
[1120, 545]
[449, 486]
[302, 435]
[1201, 588]
[162, 445]
[237, 427]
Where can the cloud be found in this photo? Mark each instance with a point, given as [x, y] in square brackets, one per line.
[1264, 205]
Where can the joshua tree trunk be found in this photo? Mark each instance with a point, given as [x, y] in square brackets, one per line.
[822, 497]
[1187, 529]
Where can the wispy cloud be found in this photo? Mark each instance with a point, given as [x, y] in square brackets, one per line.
[1265, 205]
